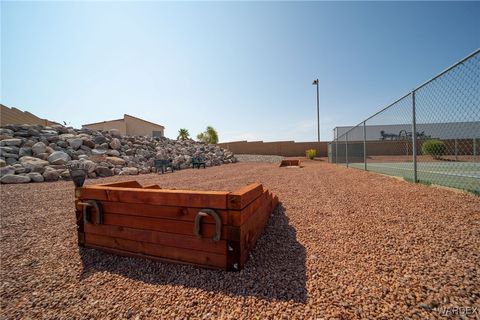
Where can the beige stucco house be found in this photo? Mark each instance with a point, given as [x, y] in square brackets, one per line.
[129, 126]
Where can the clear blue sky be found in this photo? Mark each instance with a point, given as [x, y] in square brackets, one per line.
[244, 68]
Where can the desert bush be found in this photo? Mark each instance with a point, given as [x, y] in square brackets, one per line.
[434, 148]
[311, 153]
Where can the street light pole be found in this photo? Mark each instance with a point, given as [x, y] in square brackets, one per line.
[315, 83]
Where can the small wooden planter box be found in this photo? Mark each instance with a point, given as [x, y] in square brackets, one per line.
[290, 163]
[128, 219]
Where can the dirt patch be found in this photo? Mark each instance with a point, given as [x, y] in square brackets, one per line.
[343, 244]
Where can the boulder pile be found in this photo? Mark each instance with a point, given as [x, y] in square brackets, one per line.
[34, 153]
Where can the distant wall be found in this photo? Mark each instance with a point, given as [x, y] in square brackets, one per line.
[16, 116]
[280, 148]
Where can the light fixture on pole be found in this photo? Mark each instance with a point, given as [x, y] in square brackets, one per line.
[315, 83]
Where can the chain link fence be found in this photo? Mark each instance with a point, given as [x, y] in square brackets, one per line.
[431, 135]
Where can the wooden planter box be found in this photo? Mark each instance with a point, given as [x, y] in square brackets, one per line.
[290, 163]
[128, 219]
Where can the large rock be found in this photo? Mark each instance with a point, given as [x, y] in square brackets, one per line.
[62, 144]
[83, 163]
[6, 132]
[51, 174]
[89, 143]
[115, 161]
[102, 171]
[115, 144]
[100, 139]
[24, 151]
[35, 177]
[34, 164]
[75, 143]
[58, 157]
[11, 142]
[129, 171]
[115, 133]
[7, 170]
[113, 153]
[3, 163]
[11, 161]
[98, 152]
[66, 136]
[14, 178]
[38, 148]
[20, 169]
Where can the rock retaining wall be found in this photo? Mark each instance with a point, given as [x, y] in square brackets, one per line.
[34, 153]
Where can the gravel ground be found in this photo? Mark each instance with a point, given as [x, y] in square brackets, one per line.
[343, 244]
[258, 158]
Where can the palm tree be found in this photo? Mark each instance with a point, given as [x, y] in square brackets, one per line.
[183, 134]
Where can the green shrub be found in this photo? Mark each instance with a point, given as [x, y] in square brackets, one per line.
[209, 136]
[434, 148]
[311, 154]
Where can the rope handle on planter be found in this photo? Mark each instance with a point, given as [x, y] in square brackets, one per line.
[87, 211]
[218, 223]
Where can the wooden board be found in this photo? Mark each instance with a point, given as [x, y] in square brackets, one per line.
[160, 212]
[163, 225]
[162, 238]
[238, 217]
[241, 198]
[152, 186]
[124, 253]
[166, 197]
[252, 229]
[124, 184]
[146, 248]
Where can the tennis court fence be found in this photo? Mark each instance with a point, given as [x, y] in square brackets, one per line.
[430, 135]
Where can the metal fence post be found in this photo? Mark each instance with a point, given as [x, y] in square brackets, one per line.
[414, 138]
[335, 134]
[474, 149]
[346, 148]
[364, 146]
[336, 151]
[456, 149]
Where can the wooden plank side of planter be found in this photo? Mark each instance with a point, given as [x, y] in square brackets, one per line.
[161, 238]
[253, 228]
[80, 225]
[152, 186]
[150, 257]
[152, 249]
[241, 198]
[160, 212]
[124, 184]
[162, 225]
[238, 217]
[185, 198]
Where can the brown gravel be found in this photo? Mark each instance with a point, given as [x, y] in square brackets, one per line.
[344, 244]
